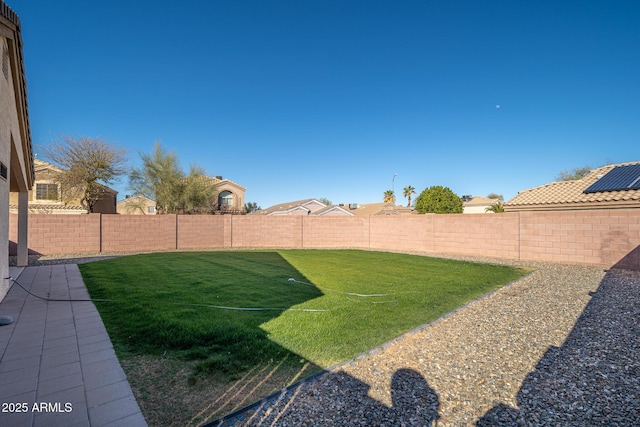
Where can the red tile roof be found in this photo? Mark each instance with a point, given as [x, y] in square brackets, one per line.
[570, 195]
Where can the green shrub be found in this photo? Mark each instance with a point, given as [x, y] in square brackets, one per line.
[438, 199]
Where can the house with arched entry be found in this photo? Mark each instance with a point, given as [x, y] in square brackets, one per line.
[230, 196]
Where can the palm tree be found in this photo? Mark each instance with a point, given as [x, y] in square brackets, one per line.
[408, 192]
[388, 196]
[497, 207]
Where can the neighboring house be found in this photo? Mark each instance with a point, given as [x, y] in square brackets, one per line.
[16, 152]
[136, 205]
[230, 199]
[230, 195]
[379, 209]
[608, 187]
[304, 207]
[476, 204]
[46, 197]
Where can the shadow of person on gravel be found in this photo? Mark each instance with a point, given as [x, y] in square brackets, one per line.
[344, 400]
[413, 399]
[593, 378]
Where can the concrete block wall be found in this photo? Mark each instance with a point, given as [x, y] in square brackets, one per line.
[138, 233]
[600, 237]
[402, 233]
[335, 232]
[488, 235]
[596, 237]
[249, 231]
[204, 231]
[52, 234]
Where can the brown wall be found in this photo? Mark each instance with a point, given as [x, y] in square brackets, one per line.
[54, 234]
[596, 237]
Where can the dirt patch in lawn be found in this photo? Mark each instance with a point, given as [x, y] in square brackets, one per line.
[168, 395]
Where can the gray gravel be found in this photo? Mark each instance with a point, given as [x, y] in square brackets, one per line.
[557, 348]
[65, 258]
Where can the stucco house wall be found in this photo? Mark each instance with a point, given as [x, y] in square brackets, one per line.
[477, 204]
[46, 174]
[225, 186]
[136, 205]
[16, 154]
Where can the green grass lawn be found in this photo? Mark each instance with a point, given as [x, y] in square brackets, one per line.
[164, 305]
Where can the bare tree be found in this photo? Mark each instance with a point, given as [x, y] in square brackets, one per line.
[88, 164]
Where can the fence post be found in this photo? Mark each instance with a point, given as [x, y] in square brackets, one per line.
[100, 232]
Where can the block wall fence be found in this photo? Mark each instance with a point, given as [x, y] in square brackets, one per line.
[606, 238]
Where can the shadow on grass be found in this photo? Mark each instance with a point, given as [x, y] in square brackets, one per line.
[164, 307]
[592, 379]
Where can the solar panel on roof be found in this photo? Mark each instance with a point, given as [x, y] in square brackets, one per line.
[617, 179]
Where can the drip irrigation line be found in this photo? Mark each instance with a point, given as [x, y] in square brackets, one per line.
[339, 292]
[14, 281]
[250, 308]
[222, 307]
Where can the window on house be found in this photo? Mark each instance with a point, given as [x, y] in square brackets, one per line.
[46, 191]
[226, 198]
[151, 209]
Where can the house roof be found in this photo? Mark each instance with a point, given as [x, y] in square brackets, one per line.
[286, 207]
[128, 199]
[332, 208]
[10, 20]
[571, 195]
[218, 181]
[380, 209]
[480, 201]
[360, 210]
[41, 165]
[41, 207]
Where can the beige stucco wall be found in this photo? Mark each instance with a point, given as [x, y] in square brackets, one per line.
[475, 209]
[136, 205]
[12, 131]
[8, 122]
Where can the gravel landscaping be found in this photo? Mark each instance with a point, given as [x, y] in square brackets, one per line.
[558, 347]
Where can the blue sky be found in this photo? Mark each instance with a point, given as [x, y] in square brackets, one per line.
[295, 99]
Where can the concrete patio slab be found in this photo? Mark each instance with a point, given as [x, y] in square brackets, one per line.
[57, 364]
